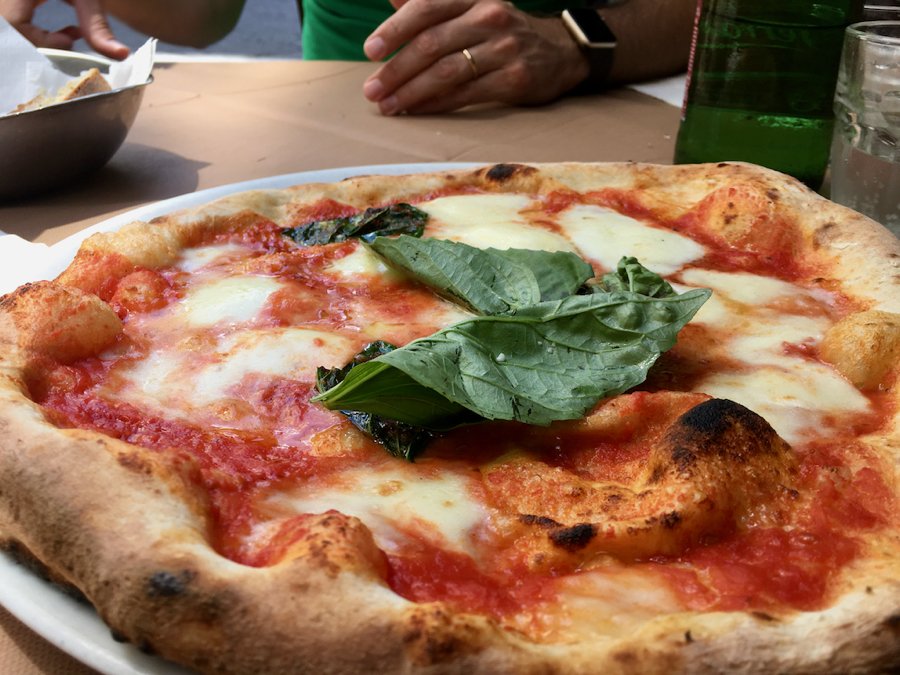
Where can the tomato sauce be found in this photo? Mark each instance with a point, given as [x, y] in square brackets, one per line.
[428, 573]
[766, 568]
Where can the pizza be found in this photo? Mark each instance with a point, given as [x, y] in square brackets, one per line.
[551, 418]
[89, 82]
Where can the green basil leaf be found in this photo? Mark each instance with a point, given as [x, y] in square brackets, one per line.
[371, 223]
[401, 439]
[550, 361]
[630, 275]
[488, 281]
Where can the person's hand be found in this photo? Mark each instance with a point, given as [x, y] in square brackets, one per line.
[92, 26]
[454, 53]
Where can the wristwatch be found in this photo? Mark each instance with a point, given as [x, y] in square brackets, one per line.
[596, 41]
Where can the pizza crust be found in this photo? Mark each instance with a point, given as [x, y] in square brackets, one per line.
[122, 525]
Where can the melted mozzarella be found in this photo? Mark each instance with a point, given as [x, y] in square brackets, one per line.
[180, 382]
[359, 265]
[750, 289]
[605, 235]
[193, 259]
[228, 300]
[490, 221]
[287, 352]
[795, 400]
[613, 602]
[391, 500]
[794, 394]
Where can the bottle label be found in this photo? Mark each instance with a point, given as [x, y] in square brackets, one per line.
[772, 57]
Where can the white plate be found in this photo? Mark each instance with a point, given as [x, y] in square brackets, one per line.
[72, 626]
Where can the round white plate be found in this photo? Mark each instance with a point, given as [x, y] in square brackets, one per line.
[73, 626]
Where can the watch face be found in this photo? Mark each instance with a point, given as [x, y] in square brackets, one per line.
[594, 29]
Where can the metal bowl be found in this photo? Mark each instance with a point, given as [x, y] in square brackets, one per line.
[49, 147]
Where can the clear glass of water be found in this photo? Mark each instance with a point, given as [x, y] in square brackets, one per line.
[865, 153]
[881, 10]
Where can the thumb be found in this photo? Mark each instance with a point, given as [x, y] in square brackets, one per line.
[96, 31]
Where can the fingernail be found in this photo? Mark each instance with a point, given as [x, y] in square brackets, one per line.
[374, 48]
[373, 89]
[388, 106]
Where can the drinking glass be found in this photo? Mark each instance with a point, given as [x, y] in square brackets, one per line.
[865, 152]
[881, 10]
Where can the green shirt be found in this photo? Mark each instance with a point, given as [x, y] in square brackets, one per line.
[336, 29]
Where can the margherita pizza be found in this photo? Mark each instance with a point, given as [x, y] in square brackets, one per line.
[572, 418]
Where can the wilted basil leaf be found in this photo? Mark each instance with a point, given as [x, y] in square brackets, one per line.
[401, 439]
[371, 223]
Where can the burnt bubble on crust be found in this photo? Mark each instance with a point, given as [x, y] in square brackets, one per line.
[500, 173]
[542, 521]
[718, 427]
[169, 584]
[574, 538]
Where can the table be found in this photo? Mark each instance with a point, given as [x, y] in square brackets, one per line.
[208, 124]
[213, 123]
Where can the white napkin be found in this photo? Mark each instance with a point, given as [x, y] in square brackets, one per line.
[27, 73]
[668, 89]
[22, 261]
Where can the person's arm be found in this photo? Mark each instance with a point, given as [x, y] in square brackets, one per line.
[653, 37]
[454, 53]
[195, 23]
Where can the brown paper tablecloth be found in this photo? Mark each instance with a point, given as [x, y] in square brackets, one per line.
[208, 124]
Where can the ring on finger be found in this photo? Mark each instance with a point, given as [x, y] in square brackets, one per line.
[471, 61]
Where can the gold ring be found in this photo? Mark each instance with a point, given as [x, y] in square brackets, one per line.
[471, 60]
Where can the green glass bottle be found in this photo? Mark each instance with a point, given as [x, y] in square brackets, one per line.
[761, 83]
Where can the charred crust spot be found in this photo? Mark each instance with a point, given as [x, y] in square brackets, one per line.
[503, 172]
[763, 616]
[688, 638]
[118, 637]
[707, 423]
[893, 622]
[657, 474]
[574, 538]
[711, 417]
[773, 194]
[23, 556]
[134, 462]
[147, 647]
[869, 590]
[169, 584]
[823, 233]
[671, 520]
[683, 457]
[541, 521]
[729, 218]
[576, 491]
[625, 656]
[722, 165]
[432, 636]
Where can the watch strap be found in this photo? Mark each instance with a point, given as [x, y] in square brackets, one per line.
[600, 59]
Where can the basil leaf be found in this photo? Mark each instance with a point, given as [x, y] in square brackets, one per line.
[371, 223]
[550, 361]
[488, 281]
[400, 439]
[630, 275]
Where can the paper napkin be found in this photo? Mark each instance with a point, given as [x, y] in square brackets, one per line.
[27, 73]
